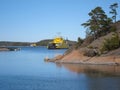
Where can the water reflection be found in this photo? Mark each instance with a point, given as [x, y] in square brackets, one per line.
[26, 70]
[93, 70]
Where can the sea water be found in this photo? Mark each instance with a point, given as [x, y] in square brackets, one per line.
[26, 70]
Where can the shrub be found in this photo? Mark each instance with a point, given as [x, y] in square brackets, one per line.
[113, 29]
[112, 43]
[90, 47]
[79, 43]
[91, 52]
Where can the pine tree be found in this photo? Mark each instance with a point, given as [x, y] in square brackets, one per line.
[98, 23]
[113, 11]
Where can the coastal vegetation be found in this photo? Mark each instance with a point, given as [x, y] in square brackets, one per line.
[39, 43]
[8, 43]
[102, 42]
[111, 43]
[102, 32]
[98, 26]
[43, 42]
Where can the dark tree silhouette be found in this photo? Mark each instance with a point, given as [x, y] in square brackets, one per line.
[113, 11]
[98, 23]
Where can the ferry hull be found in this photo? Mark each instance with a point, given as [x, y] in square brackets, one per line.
[57, 46]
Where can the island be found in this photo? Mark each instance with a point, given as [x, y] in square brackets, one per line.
[102, 43]
[91, 52]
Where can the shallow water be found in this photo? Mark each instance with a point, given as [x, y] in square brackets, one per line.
[26, 70]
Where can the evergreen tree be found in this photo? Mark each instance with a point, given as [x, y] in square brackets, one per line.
[113, 11]
[98, 23]
[80, 41]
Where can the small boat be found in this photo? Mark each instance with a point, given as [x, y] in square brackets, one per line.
[13, 49]
[58, 43]
[33, 45]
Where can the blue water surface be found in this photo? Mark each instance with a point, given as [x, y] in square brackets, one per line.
[26, 70]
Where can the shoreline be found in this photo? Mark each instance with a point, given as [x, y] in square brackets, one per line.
[4, 49]
[9, 49]
[75, 57]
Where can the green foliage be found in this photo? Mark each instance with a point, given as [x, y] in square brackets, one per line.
[88, 33]
[113, 29]
[43, 42]
[90, 47]
[7, 43]
[113, 11]
[98, 24]
[79, 42]
[112, 43]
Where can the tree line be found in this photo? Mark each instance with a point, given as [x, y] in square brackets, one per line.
[99, 23]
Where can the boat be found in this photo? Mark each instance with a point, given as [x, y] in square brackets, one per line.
[33, 45]
[13, 49]
[58, 43]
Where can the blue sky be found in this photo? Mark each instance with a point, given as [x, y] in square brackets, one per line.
[35, 20]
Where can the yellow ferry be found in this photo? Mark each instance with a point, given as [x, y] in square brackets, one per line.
[58, 43]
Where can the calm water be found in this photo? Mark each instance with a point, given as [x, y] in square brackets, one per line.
[26, 70]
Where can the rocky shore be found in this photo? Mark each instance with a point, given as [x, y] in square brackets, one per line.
[9, 49]
[94, 52]
[77, 57]
[4, 49]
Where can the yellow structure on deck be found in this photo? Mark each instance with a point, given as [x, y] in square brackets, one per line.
[58, 43]
[58, 40]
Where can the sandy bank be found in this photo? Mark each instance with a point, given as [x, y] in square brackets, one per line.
[77, 57]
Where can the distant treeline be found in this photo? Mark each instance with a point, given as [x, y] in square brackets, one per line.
[45, 42]
[39, 43]
[7, 43]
